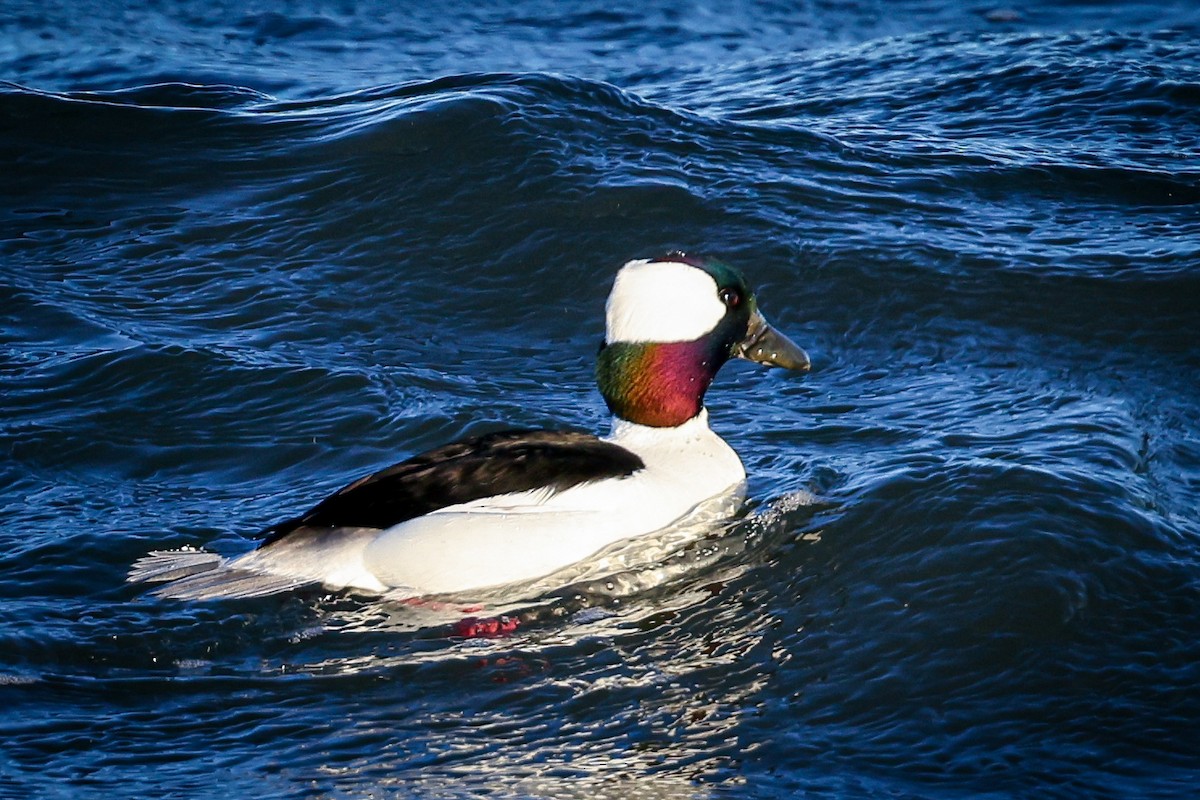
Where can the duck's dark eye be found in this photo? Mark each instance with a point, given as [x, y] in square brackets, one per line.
[732, 298]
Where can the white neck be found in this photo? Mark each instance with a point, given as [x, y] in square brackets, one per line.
[624, 430]
[689, 457]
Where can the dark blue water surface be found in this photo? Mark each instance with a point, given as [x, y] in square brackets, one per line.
[248, 253]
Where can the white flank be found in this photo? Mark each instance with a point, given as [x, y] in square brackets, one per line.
[519, 537]
[662, 301]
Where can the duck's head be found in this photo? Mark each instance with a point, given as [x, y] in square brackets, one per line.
[671, 323]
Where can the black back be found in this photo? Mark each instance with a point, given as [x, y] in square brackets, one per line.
[482, 466]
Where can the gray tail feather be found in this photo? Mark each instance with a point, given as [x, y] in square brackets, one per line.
[198, 575]
[169, 565]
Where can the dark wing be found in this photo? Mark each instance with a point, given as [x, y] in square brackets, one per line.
[483, 466]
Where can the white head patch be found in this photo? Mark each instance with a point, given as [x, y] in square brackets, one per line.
[661, 301]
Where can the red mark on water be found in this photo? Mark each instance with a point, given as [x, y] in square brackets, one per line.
[488, 628]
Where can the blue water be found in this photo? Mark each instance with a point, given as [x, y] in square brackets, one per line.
[248, 253]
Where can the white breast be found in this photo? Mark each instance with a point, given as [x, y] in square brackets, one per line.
[524, 536]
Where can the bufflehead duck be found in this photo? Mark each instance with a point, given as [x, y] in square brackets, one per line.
[518, 505]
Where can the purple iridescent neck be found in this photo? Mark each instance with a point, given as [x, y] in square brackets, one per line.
[660, 384]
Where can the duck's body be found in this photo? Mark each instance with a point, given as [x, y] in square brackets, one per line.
[517, 505]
